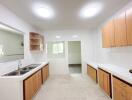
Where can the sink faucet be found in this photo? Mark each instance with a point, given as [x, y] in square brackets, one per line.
[19, 64]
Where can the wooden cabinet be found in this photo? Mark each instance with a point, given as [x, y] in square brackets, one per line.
[120, 30]
[32, 85]
[121, 90]
[108, 37]
[105, 81]
[129, 25]
[92, 72]
[101, 78]
[45, 73]
[36, 42]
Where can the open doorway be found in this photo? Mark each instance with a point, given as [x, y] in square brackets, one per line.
[74, 57]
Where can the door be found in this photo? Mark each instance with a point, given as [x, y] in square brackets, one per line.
[74, 57]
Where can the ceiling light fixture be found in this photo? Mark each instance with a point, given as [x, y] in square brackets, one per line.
[90, 10]
[43, 10]
[58, 37]
[75, 36]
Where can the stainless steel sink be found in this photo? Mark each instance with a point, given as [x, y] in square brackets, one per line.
[16, 73]
[22, 70]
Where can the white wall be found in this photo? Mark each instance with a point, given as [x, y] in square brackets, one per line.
[10, 19]
[60, 66]
[74, 52]
[120, 56]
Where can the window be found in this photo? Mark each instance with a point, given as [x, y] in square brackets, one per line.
[58, 48]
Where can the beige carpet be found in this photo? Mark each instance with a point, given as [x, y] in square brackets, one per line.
[70, 87]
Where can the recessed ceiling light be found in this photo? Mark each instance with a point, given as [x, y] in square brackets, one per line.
[58, 37]
[75, 36]
[90, 10]
[43, 10]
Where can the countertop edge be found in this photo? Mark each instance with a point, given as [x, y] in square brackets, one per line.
[122, 73]
[23, 77]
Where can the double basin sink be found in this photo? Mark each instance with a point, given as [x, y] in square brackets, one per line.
[22, 71]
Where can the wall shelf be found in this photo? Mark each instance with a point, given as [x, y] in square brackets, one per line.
[36, 41]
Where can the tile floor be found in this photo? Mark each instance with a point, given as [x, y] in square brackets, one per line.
[70, 87]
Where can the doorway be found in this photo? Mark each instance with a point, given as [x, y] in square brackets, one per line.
[74, 57]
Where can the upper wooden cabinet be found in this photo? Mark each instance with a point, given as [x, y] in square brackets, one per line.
[109, 34]
[129, 26]
[120, 30]
[36, 42]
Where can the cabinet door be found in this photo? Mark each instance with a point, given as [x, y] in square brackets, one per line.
[38, 81]
[100, 73]
[118, 95]
[120, 30]
[121, 91]
[44, 74]
[105, 81]
[28, 89]
[129, 26]
[129, 92]
[32, 85]
[108, 36]
[92, 73]
[106, 84]
[47, 71]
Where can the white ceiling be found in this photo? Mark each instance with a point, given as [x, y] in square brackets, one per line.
[66, 13]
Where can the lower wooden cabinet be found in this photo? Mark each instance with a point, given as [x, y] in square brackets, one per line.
[121, 90]
[105, 81]
[32, 85]
[92, 72]
[45, 73]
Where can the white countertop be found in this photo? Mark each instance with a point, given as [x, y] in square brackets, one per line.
[120, 72]
[24, 76]
[93, 64]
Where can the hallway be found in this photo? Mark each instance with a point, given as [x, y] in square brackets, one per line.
[75, 69]
[70, 87]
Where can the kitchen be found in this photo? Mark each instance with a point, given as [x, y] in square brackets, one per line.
[104, 32]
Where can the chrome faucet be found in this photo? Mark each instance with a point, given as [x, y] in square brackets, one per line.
[19, 64]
